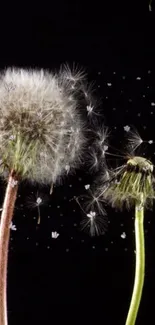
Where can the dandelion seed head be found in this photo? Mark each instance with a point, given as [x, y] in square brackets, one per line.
[135, 179]
[41, 129]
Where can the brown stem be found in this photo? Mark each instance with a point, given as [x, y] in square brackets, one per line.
[6, 218]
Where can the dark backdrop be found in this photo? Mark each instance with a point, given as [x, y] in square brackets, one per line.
[75, 278]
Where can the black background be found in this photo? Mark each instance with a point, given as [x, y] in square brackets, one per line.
[75, 278]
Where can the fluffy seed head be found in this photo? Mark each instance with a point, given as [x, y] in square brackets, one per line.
[41, 129]
[136, 179]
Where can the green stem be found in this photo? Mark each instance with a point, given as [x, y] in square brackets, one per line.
[140, 264]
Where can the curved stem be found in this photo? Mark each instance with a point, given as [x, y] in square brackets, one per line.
[6, 218]
[140, 264]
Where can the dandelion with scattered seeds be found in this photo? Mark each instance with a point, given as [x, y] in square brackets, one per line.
[41, 132]
[130, 185]
[134, 188]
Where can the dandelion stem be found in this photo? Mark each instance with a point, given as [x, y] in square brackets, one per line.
[140, 264]
[38, 222]
[6, 218]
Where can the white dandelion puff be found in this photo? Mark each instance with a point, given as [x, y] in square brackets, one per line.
[36, 117]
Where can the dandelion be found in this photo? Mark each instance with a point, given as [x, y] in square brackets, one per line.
[134, 188]
[41, 132]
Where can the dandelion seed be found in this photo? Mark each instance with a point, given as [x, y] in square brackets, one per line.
[93, 160]
[123, 235]
[54, 234]
[13, 227]
[13, 182]
[87, 186]
[35, 200]
[12, 137]
[134, 140]
[39, 200]
[150, 5]
[91, 214]
[93, 224]
[105, 148]
[75, 74]
[51, 189]
[102, 135]
[127, 128]
[89, 109]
